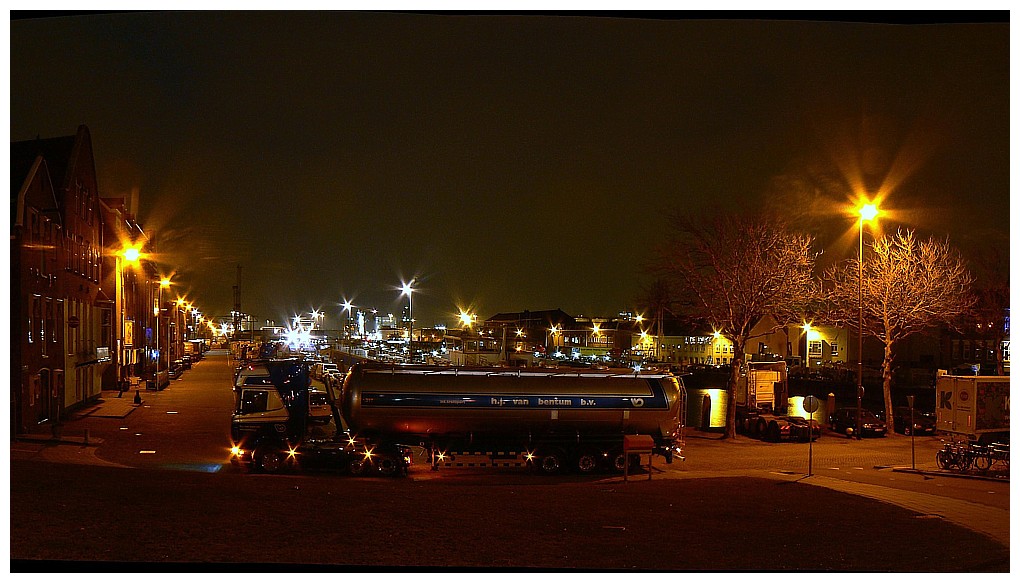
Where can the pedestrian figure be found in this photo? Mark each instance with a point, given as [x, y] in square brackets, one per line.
[138, 398]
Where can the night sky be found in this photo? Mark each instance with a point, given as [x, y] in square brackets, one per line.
[505, 162]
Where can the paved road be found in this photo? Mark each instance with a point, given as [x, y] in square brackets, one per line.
[186, 427]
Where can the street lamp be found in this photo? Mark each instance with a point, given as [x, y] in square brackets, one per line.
[866, 212]
[347, 308]
[131, 256]
[408, 289]
[165, 282]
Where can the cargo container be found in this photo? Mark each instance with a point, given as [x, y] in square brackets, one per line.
[974, 407]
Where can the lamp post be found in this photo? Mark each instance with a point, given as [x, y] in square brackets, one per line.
[867, 212]
[165, 282]
[131, 256]
[347, 308]
[408, 289]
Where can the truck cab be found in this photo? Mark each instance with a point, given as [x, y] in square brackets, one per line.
[279, 422]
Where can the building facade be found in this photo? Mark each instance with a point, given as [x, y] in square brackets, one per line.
[61, 310]
[37, 323]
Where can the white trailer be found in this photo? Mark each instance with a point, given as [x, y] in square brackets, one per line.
[975, 407]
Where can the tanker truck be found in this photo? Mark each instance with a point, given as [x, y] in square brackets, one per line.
[492, 417]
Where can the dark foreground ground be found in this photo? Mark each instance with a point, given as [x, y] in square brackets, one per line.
[92, 518]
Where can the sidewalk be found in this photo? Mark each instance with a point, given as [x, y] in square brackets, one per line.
[110, 404]
[987, 520]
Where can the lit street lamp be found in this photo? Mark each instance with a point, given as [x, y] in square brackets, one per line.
[347, 308]
[131, 257]
[408, 289]
[867, 212]
[165, 282]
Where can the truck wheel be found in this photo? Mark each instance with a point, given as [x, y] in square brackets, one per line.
[587, 462]
[620, 460]
[760, 428]
[617, 461]
[358, 466]
[773, 434]
[386, 466]
[269, 460]
[550, 462]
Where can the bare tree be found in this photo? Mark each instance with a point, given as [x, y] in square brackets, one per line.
[737, 270]
[906, 286]
[658, 299]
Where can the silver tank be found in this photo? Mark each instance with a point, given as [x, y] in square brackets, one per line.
[423, 401]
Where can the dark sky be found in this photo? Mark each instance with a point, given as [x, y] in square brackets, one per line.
[506, 162]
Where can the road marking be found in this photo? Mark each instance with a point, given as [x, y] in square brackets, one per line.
[148, 451]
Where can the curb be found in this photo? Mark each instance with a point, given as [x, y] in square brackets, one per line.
[66, 440]
[945, 474]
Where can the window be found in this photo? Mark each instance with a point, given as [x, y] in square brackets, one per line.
[32, 319]
[106, 332]
[51, 311]
[257, 381]
[254, 402]
[835, 349]
[45, 323]
[815, 348]
[33, 225]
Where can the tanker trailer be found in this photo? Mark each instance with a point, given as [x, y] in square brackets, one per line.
[511, 417]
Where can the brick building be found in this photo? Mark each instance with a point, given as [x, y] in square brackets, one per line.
[60, 309]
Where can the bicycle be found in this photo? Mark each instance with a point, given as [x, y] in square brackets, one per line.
[987, 456]
[954, 456]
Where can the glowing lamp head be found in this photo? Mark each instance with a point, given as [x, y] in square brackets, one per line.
[868, 212]
[165, 282]
[132, 254]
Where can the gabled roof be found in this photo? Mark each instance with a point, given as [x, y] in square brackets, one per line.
[56, 151]
[24, 171]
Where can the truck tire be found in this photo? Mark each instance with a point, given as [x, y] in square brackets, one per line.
[773, 434]
[550, 462]
[618, 461]
[587, 462]
[387, 466]
[760, 428]
[358, 465]
[269, 460]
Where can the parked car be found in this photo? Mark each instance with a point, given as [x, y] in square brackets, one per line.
[319, 370]
[844, 421]
[319, 410]
[924, 422]
[176, 369]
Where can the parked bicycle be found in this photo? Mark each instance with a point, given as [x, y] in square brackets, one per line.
[988, 456]
[954, 456]
[958, 456]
